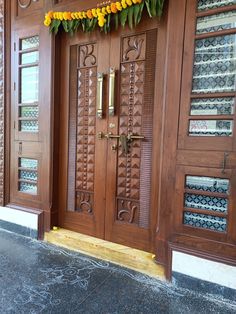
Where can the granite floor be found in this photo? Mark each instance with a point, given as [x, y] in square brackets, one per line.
[37, 277]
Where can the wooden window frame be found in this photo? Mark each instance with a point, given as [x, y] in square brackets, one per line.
[205, 142]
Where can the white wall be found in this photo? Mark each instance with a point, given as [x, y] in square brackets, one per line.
[18, 217]
[203, 269]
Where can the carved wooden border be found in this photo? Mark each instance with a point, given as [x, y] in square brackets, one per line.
[2, 24]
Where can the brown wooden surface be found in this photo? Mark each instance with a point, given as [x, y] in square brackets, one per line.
[172, 155]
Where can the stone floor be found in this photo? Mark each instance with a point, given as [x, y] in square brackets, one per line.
[37, 277]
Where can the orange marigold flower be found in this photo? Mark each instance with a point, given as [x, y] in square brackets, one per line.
[50, 14]
[113, 8]
[89, 14]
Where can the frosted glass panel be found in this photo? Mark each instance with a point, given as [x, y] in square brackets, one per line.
[216, 22]
[28, 175]
[209, 184]
[215, 65]
[29, 112]
[213, 106]
[29, 84]
[29, 43]
[30, 57]
[213, 4]
[29, 126]
[28, 163]
[27, 187]
[206, 202]
[209, 222]
[210, 128]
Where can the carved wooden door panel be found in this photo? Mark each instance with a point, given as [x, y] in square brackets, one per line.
[82, 167]
[106, 133]
[129, 175]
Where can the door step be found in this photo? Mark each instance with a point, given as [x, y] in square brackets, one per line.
[115, 253]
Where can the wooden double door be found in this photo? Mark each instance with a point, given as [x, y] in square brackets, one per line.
[108, 120]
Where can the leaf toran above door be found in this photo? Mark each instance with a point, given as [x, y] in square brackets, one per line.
[104, 16]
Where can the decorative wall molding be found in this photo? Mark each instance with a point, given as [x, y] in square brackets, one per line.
[24, 4]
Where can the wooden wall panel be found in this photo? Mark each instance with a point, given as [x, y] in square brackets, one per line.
[1, 102]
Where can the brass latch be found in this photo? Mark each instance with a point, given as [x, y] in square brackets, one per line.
[123, 139]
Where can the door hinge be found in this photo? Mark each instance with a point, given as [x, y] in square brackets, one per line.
[14, 46]
[14, 86]
[14, 125]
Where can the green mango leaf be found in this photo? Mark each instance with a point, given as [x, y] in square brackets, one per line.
[65, 26]
[123, 16]
[148, 6]
[116, 19]
[140, 12]
[153, 4]
[136, 13]
[108, 22]
[76, 25]
[131, 16]
[83, 23]
[159, 7]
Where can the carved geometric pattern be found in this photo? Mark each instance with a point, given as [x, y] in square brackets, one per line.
[132, 87]
[131, 108]
[86, 129]
[1, 102]
[128, 211]
[134, 48]
[87, 55]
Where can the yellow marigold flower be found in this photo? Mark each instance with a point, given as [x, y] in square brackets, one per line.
[129, 2]
[101, 19]
[108, 9]
[84, 15]
[47, 21]
[123, 3]
[80, 15]
[54, 15]
[89, 14]
[60, 16]
[138, 1]
[113, 8]
[104, 10]
[118, 6]
[98, 10]
[94, 11]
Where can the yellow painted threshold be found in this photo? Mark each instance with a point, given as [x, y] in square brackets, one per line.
[115, 253]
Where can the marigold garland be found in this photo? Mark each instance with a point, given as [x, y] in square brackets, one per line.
[119, 12]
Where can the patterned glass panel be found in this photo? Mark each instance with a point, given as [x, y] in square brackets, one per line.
[29, 126]
[29, 43]
[210, 128]
[205, 221]
[213, 4]
[29, 84]
[29, 112]
[28, 175]
[215, 64]
[28, 163]
[30, 57]
[27, 187]
[216, 22]
[206, 202]
[213, 106]
[216, 185]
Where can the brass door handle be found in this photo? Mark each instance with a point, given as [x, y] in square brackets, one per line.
[130, 137]
[112, 76]
[100, 77]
